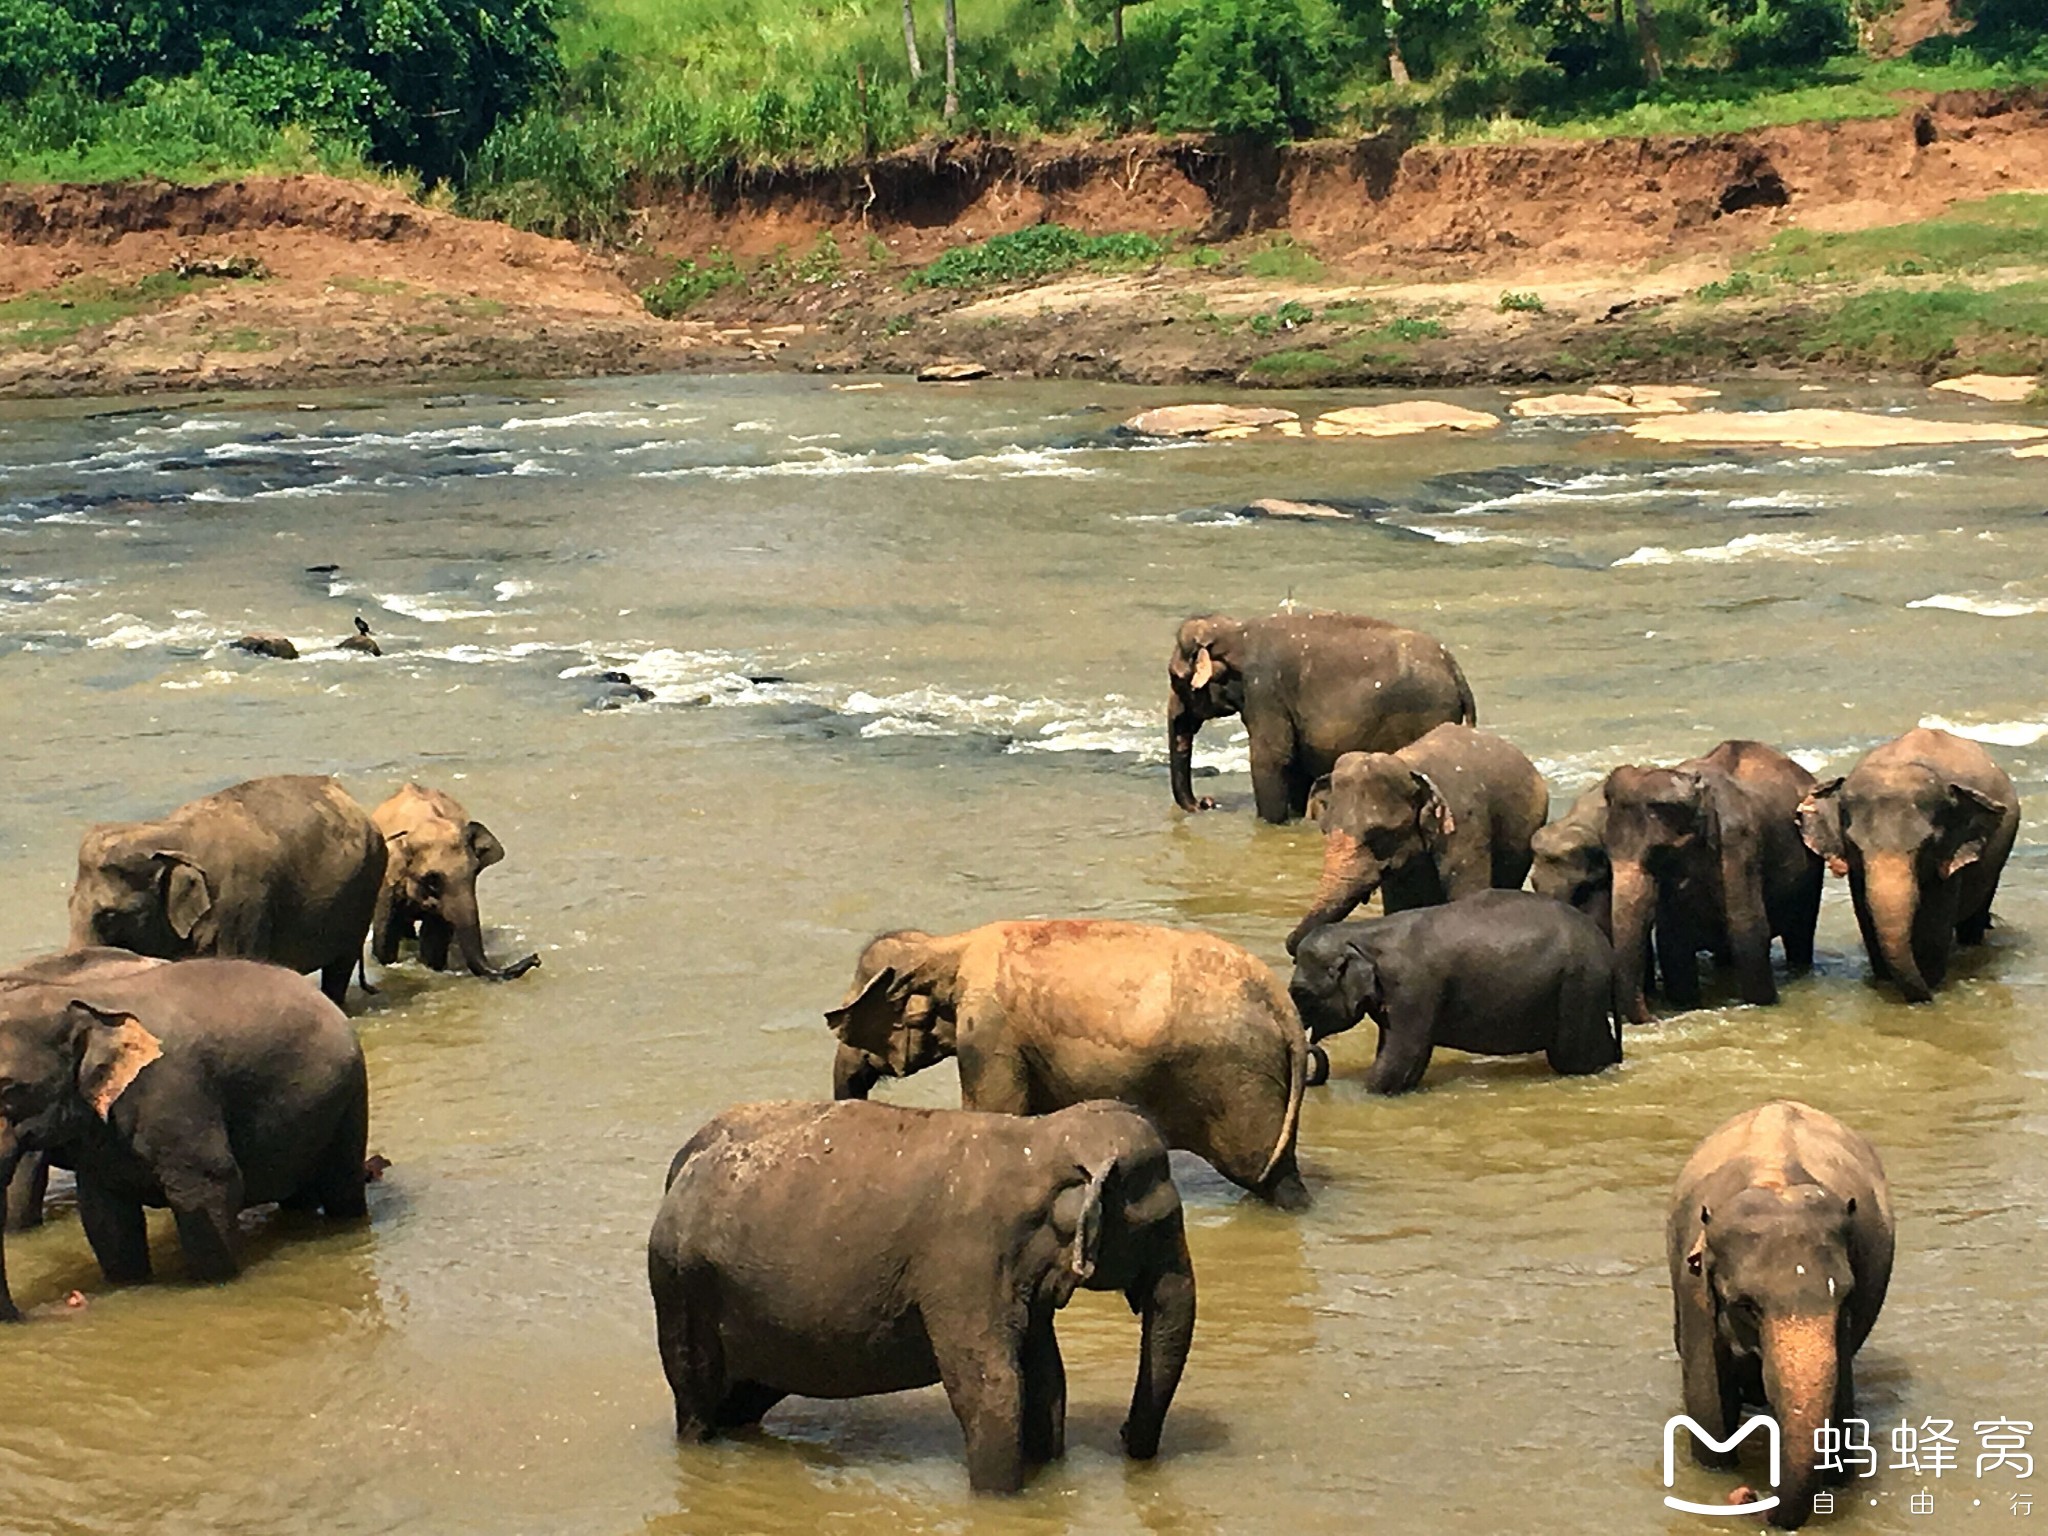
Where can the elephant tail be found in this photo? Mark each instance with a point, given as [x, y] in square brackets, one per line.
[1468, 708]
[1297, 1086]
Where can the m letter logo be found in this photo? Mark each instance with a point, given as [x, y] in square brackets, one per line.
[1771, 1436]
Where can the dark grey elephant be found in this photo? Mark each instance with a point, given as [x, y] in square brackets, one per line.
[1502, 973]
[1311, 687]
[1568, 859]
[1780, 1248]
[207, 1086]
[283, 869]
[1710, 849]
[434, 854]
[1922, 826]
[1444, 817]
[839, 1250]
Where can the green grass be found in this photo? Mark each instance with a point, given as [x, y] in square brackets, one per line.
[1736, 285]
[2005, 231]
[690, 284]
[177, 130]
[1408, 328]
[1036, 252]
[1521, 302]
[1281, 260]
[1994, 330]
[38, 322]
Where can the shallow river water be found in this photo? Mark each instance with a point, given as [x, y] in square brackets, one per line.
[963, 600]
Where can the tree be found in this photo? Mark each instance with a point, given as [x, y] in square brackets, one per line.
[1646, 41]
[952, 46]
[910, 41]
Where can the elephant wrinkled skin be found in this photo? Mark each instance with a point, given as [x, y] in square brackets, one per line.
[1780, 1250]
[839, 1250]
[434, 854]
[1922, 826]
[1310, 687]
[208, 1086]
[1446, 816]
[1193, 1030]
[283, 869]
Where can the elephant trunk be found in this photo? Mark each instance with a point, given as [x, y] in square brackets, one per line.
[1350, 875]
[1166, 1301]
[1801, 1365]
[461, 914]
[1181, 725]
[10, 1159]
[853, 1074]
[1891, 895]
[1633, 900]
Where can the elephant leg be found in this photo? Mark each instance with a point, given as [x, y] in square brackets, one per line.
[1971, 929]
[1045, 1394]
[205, 1203]
[1237, 1135]
[1274, 774]
[1712, 1396]
[342, 1185]
[1403, 1054]
[1283, 1186]
[26, 1192]
[692, 1358]
[1801, 920]
[746, 1403]
[117, 1231]
[996, 1082]
[390, 928]
[435, 936]
[334, 978]
[1586, 1041]
[1678, 957]
[979, 1368]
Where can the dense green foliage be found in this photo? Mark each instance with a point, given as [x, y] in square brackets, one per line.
[1038, 251]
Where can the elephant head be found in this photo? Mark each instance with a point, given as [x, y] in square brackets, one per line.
[1659, 820]
[1377, 815]
[898, 1017]
[1205, 682]
[1116, 1218]
[1901, 832]
[63, 1064]
[133, 893]
[1335, 982]
[1776, 1274]
[433, 868]
[1570, 859]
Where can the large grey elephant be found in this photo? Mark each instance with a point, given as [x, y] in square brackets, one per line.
[1311, 687]
[283, 869]
[434, 853]
[1446, 816]
[1922, 827]
[839, 1250]
[1711, 848]
[1780, 1248]
[1193, 1030]
[208, 1087]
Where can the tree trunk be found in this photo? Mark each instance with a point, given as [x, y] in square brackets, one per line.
[1646, 40]
[1397, 67]
[952, 47]
[910, 41]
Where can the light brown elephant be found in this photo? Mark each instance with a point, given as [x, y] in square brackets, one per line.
[1780, 1247]
[436, 853]
[1922, 827]
[1193, 1030]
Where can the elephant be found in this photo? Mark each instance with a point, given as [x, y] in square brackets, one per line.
[1311, 687]
[1780, 1246]
[1713, 847]
[1443, 818]
[1568, 859]
[840, 1250]
[208, 1086]
[1193, 1030]
[1922, 827]
[284, 869]
[434, 854]
[1502, 973]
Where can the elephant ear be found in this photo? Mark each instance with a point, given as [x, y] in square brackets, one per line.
[1319, 799]
[186, 898]
[484, 846]
[872, 1021]
[1981, 818]
[1433, 812]
[114, 1049]
[1204, 670]
[1820, 825]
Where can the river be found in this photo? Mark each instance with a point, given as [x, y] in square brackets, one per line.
[907, 646]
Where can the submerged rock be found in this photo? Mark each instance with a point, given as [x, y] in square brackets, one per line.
[2005, 389]
[1402, 418]
[950, 370]
[2038, 451]
[1592, 404]
[1209, 420]
[264, 643]
[1817, 429]
[1345, 510]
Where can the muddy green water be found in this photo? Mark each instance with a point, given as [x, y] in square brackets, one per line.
[967, 597]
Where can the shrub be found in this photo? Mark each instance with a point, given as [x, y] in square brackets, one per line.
[1764, 34]
[1256, 68]
[1025, 254]
[690, 284]
[1524, 302]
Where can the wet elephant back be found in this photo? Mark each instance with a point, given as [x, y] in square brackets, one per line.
[1354, 684]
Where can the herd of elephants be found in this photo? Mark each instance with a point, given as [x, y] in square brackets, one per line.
[175, 1056]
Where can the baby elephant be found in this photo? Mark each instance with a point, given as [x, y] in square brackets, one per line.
[435, 853]
[1780, 1246]
[1444, 817]
[840, 1250]
[1192, 1030]
[1503, 973]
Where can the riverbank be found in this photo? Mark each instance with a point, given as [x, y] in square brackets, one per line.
[1836, 249]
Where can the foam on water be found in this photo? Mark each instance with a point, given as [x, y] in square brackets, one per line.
[130, 632]
[1993, 733]
[1009, 463]
[1983, 607]
[1760, 546]
[425, 609]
